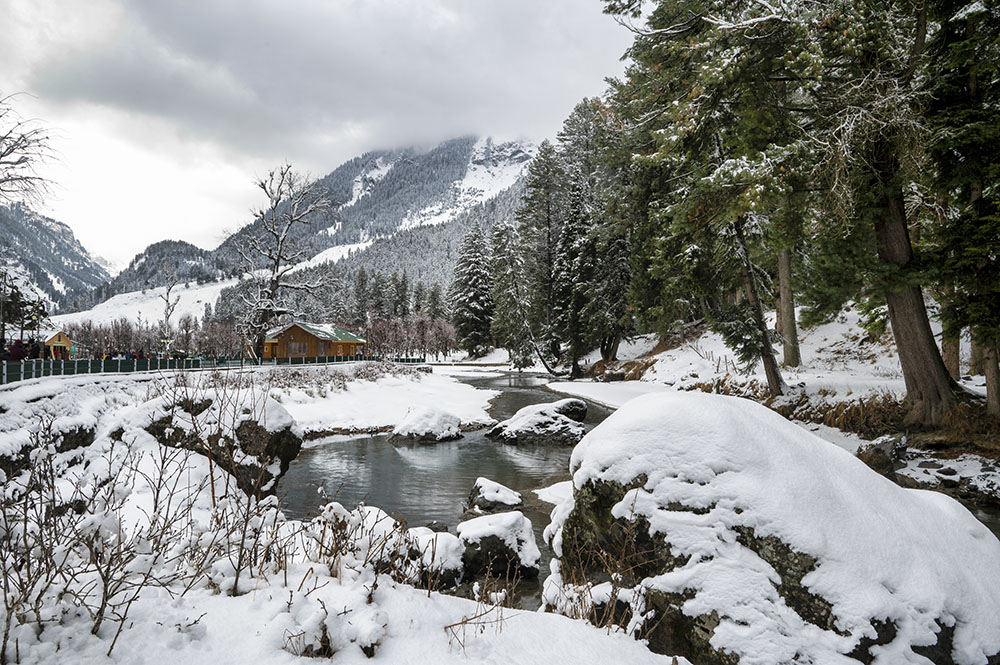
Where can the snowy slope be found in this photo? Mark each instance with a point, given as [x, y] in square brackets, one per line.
[148, 304]
[492, 168]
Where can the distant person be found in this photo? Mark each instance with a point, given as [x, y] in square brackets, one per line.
[17, 351]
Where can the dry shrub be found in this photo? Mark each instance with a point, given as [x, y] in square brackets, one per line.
[968, 424]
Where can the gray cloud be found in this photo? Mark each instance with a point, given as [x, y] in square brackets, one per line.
[320, 81]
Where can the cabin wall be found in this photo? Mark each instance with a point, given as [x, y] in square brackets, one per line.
[297, 343]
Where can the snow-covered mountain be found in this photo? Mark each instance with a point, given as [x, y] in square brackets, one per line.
[390, 208]
[44, 257]
[384, 192]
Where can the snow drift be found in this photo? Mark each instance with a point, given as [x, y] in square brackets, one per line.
[749, 540]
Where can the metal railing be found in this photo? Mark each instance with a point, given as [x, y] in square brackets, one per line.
[37, 368]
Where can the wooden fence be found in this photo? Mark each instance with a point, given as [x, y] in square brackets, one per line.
[32, 369]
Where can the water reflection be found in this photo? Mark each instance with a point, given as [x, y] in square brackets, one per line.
[427, 482]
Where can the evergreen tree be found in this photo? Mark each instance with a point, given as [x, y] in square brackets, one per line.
[471, 301]
[419, 294]
[715, 169]
[362, 296]
[508, 327]
[400, 294]
[574, 274]
[435, 307]
[965, 147]
[540, 225]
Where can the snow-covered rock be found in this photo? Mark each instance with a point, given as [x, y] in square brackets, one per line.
[501, 545]
[436, 558]
[734, 536]
[427, 423]
[554, 423]
[488, 496]
[884, 455]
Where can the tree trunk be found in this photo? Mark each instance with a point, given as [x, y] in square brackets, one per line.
[775, 384]
[991, 356]
[609, 348]
[976, 361]
[788, 330]
[929, 388]
[950, 353]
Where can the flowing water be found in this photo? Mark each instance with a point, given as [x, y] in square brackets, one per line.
[423, 483]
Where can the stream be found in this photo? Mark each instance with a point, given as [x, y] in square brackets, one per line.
[422, 483]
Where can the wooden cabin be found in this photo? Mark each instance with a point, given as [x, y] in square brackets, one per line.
[311, 340]
[58, 345]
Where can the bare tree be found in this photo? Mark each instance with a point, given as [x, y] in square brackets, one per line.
[169, 302]
[23, 144]
[270, 251]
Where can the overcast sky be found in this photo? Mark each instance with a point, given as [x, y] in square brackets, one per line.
[166, 111]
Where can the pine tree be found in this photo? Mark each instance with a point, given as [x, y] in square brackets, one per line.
[540, 225]
[362, 297]
[574, 274]
[419, 294]
[435, 303]
[965, 148]
[508, 326]
[471, 302]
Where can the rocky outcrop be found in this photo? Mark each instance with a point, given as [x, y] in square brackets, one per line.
[15, 462]
[501, 545]
[740, 538]
[489, 497]
[884, 455]
[253, 454]
[556, 423]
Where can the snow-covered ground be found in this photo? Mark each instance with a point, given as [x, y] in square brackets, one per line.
[490, 172]
[148, 304]
[332, 255]
[230, 580]
[612, 394]
[367, 405]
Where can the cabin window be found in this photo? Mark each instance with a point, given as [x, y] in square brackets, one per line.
[297, 348]
[340, 349]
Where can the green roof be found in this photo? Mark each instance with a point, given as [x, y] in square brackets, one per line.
[326, 331]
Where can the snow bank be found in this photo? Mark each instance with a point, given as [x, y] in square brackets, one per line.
[738, 495]
[611, 395]
[368, 405]
[557, 493]
[428, 423]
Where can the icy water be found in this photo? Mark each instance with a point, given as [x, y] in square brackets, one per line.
[428, 482]
[422, 483]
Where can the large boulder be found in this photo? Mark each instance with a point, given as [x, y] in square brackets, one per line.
[716, 530]
[884, 455]
[501, 545]
[428, 425]
[559, 423]
[488, 496]
[255, 445]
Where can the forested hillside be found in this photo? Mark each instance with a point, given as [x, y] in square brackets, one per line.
[43, 257]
